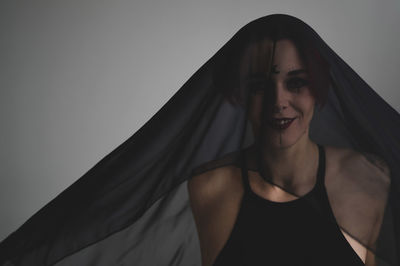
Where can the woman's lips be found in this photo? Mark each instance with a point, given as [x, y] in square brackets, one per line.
[281, 123]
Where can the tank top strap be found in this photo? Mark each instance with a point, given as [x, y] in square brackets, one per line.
[323, 203]
[245, 177]
[321, 167]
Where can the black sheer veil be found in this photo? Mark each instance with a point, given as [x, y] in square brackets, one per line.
[132, 207]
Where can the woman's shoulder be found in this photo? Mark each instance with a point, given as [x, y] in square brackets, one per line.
[355, 165]
[212, 185]
[358, 185]
[215, 201]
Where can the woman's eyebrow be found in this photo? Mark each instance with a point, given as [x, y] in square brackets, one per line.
[296, 72]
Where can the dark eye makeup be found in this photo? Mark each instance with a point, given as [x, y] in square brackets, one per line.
[258, 85]
[295, 84]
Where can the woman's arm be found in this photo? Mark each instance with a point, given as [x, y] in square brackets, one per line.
[380, 164]
[214, 199]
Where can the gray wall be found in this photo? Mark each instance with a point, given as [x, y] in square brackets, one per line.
[77, 78]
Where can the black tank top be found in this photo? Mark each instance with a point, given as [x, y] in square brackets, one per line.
[289, 233]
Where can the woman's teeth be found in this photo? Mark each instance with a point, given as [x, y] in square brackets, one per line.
[282, 123]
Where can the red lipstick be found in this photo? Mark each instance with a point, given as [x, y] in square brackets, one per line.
[281, 123]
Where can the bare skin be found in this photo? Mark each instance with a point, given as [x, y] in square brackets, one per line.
[215, 196]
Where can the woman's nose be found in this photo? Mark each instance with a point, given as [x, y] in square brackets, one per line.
[277, 109]
[280, 99]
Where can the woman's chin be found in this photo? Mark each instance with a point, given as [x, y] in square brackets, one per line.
[284, 144]
[282, 141]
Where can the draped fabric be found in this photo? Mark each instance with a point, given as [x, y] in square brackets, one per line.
[133, 206]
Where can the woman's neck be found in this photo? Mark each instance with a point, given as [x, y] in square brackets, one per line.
[292, 166]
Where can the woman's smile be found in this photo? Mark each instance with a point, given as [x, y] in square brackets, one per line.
[281, 123]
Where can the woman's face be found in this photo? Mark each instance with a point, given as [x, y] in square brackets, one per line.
[281, 110]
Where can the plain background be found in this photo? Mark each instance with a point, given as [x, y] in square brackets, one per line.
[79, 77]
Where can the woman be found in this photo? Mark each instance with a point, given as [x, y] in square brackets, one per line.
[244, 130]
[292, 161]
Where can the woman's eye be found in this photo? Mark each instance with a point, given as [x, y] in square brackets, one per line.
[296, 83]
[260, 86]
[257, 87]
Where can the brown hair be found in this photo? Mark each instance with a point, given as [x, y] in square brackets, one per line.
[228, 77]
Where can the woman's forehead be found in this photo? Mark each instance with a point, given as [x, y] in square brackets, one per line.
[286, 57]
[257, 58]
